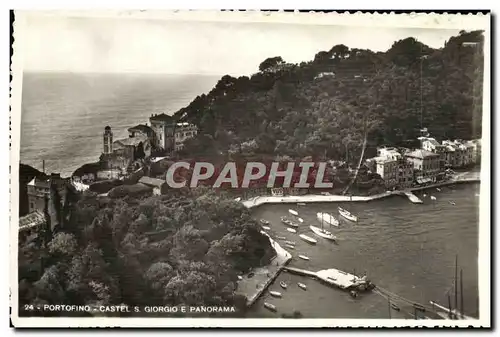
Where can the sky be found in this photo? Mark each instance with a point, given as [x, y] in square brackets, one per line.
[83, 44]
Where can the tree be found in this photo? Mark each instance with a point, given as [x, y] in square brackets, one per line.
[339, 51]
[70, 199]
[55, 207]
[63, 244]
[49, 286]
[139, 151]
[271, 63]
[45, 229]
[321, 57]
[188, 244]
[158, 275]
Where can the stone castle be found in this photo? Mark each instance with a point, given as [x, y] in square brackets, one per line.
[163, 135]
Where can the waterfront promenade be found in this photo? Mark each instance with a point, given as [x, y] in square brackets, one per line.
[253, 287]
[257, 201]
[464, 177]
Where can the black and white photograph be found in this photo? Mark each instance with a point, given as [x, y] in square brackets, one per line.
[232, 169]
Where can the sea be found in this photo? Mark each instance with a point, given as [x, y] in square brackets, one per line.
[407, 249]
[64, 114]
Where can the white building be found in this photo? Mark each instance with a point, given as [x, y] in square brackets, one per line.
[401, 174]
[325, 74]
[163, 127]
[460, 155]
[388, 152]
[432, 145]
[475, 145]
[387, 169]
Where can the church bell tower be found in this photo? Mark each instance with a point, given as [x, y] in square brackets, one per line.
[108, 140]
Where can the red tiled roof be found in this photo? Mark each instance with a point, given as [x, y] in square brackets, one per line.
[31, 220]
[131, 141]
[161, 117]
[152, 181]
[142, 128]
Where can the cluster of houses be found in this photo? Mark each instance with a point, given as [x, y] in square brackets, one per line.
[403, 168]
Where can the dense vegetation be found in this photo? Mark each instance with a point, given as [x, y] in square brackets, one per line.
[286, 109]
[185, 248]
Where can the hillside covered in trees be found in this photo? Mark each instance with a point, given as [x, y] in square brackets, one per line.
[186, 248]
[325, 107]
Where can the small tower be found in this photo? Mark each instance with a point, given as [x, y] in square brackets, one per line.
[108, 140]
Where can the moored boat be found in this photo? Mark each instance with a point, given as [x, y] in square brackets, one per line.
[308, 239]
[289, 222]
[240, 277]
[301, 204]
[438, 189]
[294, 212]
[291, 230]
[452, 203]
[283, 285]
[290, 246]
[346, 214]
[303, 257]
[328, 218]
[275, 293]
[302, 286]
[281, 238]
[264, 222]
[323, 233]
[266, 228]
[290, 242]
[270, 306]
[433, 197]
[300, 219]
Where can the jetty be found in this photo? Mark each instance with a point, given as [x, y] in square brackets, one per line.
[413, 198]
[335, 277]
[300, 271]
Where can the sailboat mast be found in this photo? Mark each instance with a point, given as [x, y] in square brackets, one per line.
[461, 295]
[449, 306]
[389, 303]
[456, 283]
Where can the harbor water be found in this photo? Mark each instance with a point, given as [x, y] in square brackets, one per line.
[408, 249]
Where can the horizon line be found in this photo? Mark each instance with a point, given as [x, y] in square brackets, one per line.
[31, 71]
